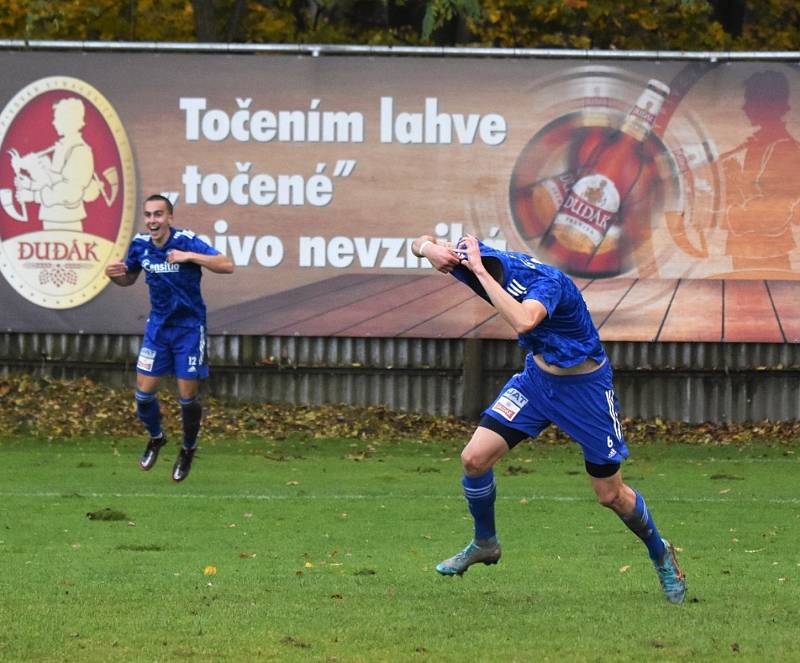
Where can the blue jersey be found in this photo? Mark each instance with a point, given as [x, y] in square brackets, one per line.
[567, 336]
[175, 296]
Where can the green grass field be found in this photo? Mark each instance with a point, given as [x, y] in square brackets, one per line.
[324, 550]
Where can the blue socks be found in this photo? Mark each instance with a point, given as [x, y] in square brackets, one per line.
[480, 493]
[191, 414]
[148, 410]
[640, 522]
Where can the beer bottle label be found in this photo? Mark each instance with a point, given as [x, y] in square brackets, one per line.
[642, 116]
[587, 213]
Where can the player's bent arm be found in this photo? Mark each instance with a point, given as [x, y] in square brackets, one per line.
[440, 256]
[218, 263]
[119, 274]
[522, 316]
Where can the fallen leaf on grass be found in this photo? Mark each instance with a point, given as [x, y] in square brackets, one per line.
[106, 514]
[210, 571]
[625, 569]
[294, 642]
[514, 470]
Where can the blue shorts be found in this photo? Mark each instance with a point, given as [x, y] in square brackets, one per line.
[180, 351]
[583, 406]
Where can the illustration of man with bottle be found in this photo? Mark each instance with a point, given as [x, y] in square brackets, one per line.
[763, 202]
[60, 178]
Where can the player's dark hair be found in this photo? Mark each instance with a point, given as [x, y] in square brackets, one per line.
[164, 199]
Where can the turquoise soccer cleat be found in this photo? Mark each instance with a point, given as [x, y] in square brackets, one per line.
[673, 582]
[472, 554]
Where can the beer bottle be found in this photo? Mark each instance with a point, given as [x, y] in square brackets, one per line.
[590, 209]
[536, 205]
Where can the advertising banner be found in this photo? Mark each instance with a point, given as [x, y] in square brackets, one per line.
[667, 189]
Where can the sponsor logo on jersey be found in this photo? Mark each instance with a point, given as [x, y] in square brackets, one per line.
[160, 267]
[67, 191]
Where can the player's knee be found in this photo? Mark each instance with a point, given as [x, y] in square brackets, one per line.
[612, 497]
[608, 499]
[474, 463]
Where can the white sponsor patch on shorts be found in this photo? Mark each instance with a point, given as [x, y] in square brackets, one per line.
[509, 404]
[516, 396]
[146, 359]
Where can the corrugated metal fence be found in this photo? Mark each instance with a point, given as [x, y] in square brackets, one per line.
[692, 382]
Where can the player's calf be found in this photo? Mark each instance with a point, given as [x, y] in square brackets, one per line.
[191, 416]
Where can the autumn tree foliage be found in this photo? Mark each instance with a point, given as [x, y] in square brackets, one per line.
[596, 24]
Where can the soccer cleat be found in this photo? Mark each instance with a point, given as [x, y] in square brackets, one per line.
[150, 455]
[673, 582]
[183, 464]
[472, 554]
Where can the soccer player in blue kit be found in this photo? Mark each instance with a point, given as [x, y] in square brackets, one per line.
[567, 380]
[175, 333]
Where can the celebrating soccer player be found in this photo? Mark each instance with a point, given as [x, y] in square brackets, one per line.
[567, 381]
[175, 333]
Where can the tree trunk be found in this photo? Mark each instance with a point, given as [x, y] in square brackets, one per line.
[235, 21]
[204, 24]
[730, 14]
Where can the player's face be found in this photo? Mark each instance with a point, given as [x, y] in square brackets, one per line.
[157, 220]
